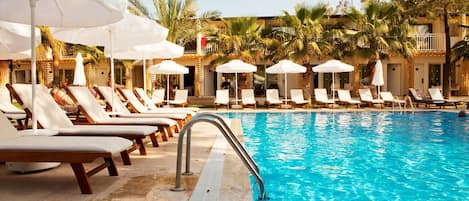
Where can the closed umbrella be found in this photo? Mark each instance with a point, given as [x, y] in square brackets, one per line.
[59, 13]
[79, 75]
[130, 31]
[333, 66]
[236, 66]
[161, 50]
[168, 67]
[285, 67]
[378, 78]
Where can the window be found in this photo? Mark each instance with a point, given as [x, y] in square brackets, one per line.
[259, 81]
[119, 75]
[365, 71]
[66, 76]
[434, 75]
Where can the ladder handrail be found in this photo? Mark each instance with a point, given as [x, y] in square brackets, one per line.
[243, 157]
[233, 137]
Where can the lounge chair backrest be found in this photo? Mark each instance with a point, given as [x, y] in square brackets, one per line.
[5, 102]
[320, 94]
[386, 95]
[222, 96]
[272, 95]
[415, 94]
[365, 94]
[87, 101]
[435, 94]
[147, 101]
[49, 114]
[133, 100]
[114, 99]
[247, 96]
[181, 95]
[8, 131]
[158, 96]
[297, 95]
[344, 95]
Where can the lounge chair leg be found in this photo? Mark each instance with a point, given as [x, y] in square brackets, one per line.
[81, 177]
[111, 167]
[141, 147]
[125, 157]
[164, 133]
[154, 140]
[171, 130]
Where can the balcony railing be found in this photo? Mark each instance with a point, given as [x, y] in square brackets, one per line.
[430, 42]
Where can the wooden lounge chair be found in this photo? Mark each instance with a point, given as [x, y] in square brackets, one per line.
[51, 116]
[180, 98]
[148, 103]
[272, 98]
[121, 110]
[222, 98]
[96, 115]
[366, 97]
[11, 111]
[247, 98]
[418, 99]
[435, 95]
[388, 98]
[74, 150]
[297, 97]
[320, 95]
[157, 97]
[346, 99]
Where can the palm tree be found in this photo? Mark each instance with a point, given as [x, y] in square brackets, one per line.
[379, 31]
[460, 50]
[48, 41]
[302, 39]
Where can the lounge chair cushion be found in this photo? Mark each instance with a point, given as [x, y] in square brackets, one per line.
[107, 130]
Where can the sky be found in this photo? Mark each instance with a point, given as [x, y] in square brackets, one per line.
[266, 8]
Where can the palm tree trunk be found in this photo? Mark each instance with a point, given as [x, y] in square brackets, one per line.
[447, 65]
[55, 67]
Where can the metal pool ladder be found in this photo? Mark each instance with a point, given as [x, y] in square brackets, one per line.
[218, 122]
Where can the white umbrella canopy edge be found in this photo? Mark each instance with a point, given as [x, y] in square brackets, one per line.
[285, 67]
[236, 66]
[16, 37]
[168, 67]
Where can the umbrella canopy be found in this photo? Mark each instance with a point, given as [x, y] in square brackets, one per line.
[18, 55]
[236, 66]
[79, 75]
[63, 13]
[130, 31]
[16, 37]
[285, 67]
[333, 66]
[168, 67]
[378, 77]
[162, 50]
[59, 13]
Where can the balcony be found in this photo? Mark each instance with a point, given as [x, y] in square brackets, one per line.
[430, 42]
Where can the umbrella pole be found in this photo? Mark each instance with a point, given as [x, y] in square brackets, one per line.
[112, 73]
[33, 63]
[144, 77]
[286, 92]
[333, 87]
[167, 86]
[236, 88]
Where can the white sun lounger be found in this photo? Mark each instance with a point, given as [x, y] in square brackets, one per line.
[320, 94]
[366, 97]
[345, 98]
[222, 97]
[96, 115]
[297, 97]
[51, 116]
[435, 95]
[74, 150]
[388, 98]
[272, 97]
[157, 97]
[180, 98]
[247, 98]
[148, 103]
[11, 111]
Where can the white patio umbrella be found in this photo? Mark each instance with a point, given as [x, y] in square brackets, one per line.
[378, 77]
[15, 40]
[59, 13]
[236, 66]
[285, 67]
[168, 67]
[79, 75]
[333, 66]
[130, 31]
[161, 50]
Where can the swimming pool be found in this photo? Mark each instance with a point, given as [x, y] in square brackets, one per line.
[359, 155]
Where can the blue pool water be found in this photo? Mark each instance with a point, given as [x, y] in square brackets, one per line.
[359, 156]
